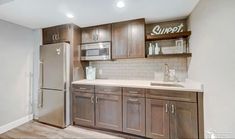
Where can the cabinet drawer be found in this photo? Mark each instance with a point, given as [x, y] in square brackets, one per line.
[135, 92]
[108, 90]
[172, 95]
[83, 88]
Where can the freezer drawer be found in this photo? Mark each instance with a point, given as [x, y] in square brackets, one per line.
[52, 107]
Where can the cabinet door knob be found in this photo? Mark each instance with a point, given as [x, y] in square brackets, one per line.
[172, 109]
[92, 99]
[166, 108]
[53, 37]
[56, 37]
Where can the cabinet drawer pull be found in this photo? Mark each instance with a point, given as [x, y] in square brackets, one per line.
[133, 92]
[166, 108]
[82, 88]
[96, 100]
[107, 90]
[172, 109]
[133, 100]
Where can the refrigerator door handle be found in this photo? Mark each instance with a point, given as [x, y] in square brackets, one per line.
[41, 74]
[65, 86]
[40, 104]
[41, 85]
[41, 98]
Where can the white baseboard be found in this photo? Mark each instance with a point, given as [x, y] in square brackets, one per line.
[15, 124]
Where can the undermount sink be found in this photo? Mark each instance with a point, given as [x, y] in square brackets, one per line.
[166, 84]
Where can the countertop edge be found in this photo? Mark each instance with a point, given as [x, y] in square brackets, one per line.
[138, 86]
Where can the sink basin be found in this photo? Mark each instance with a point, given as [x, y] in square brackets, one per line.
[167, 84]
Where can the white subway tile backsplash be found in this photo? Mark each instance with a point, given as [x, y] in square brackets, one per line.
[140, 69]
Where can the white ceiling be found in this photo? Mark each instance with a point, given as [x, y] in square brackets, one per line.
[44, 13]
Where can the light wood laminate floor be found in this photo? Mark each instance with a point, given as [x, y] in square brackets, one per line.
[35, 130]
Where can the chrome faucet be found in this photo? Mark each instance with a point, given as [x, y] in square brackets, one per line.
[166, 73]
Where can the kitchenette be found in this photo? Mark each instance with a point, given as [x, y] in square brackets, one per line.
[117, 69]
[126, 77]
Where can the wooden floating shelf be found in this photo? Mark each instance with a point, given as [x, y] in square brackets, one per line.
[168, 36]
[170, 55]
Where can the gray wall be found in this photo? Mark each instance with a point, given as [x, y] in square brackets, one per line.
[213, 62]
[16, 60]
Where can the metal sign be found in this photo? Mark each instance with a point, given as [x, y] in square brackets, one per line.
[158, 30]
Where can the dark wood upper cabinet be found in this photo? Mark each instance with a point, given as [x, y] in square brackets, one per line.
[104, 33]
[128, 39]
[63, 34]
[120, 40]
[136, 41]
[88, 35]
[109, 111]
[96, 34]
[183, 120]
[56, 34]
[157, 118]
[48, 35]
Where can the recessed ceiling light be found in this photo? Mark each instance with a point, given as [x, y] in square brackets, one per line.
[120, 4]
[70, 15]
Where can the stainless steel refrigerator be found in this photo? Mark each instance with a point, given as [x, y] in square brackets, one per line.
[54, 82]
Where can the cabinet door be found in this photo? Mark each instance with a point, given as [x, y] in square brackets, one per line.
[183, 120]
[104, 33]
[120, 40]
[56, 34]
[83, 109]
[62, 33]
[134, 115]
[136, 39]
[88, 35]
[157, 118]
[48, 35]
[109, 111]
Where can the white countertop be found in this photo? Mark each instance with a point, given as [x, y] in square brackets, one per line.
[188, 85]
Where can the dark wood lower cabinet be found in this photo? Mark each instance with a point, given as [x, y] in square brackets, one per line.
[171, 119]
[134, 115]
[183, 120]
[83, 110]
[147, 113]
[109, 111]
[157, 118]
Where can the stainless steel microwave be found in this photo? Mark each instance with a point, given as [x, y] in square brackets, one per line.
[96, 51]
